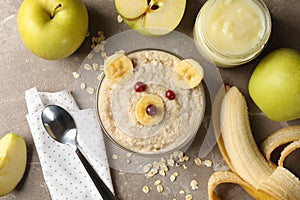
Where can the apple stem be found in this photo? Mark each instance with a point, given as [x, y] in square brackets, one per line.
[55, 9]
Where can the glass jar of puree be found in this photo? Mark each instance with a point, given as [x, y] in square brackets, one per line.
[229, 33]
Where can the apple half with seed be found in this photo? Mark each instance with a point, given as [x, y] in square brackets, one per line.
[151, 17]
[13, 160]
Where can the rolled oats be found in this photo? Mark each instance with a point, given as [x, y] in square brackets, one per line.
[198, 161]
[157, 182]
[146, 189]
[90, 90]
[76, 74]
[194, 185]
[82, 86]
[208, 163]
[160, 188]
[87, 66]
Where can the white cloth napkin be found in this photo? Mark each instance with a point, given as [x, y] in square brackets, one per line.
[63, 172]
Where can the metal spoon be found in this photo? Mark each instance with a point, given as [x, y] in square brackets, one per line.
[61, 127]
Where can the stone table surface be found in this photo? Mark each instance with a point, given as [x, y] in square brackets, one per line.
[21, 70]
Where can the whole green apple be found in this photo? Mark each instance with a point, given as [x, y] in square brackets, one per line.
[13, 160]
[52, 29]
[275, 85]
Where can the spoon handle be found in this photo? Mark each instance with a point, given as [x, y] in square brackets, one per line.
[101, 186]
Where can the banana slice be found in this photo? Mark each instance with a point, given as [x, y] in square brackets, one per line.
[118, 66]
[140, 109]
[188, 74]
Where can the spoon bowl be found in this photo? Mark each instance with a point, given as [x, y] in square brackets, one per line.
[61, 126]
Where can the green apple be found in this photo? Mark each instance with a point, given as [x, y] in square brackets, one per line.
[275, 85]
[13, 159]
[52, 29]
[151, 17]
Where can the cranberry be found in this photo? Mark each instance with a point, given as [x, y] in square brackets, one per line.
[151, 110]
[170, 94]
[139, 87]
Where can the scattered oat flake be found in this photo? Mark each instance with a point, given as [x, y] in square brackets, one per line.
[175, 174]
[186, 158]
[128, 161]
[208, 163]
[114, 156]
[172, 178]
[185, 166]
[90, 90]
[160, 188]
[76, 74]
[146, 189]
[90, 55]
[155, 164]
[87, 66]
[198, 161]
[152, 172]
[157, 182]
[82, 86]
[181, 191]
[120, 19]
[95, 66]
[163, 165]
[189, 197]
[162, 172]
[103, 54]
[171, 162]
[165, 168]
[194, 185]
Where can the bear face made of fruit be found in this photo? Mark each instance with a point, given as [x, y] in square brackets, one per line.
[150, 109]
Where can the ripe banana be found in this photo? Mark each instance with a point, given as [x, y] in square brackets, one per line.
[249, 168]
[140, 109]
[188, 74]
[118, 66]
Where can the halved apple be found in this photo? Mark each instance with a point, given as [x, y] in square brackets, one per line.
[159, 18]
[13, 159]
[133, 8]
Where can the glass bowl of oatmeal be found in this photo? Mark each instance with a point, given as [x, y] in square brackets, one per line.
[180, 119]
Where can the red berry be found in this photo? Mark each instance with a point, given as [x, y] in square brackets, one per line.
[151, 110]
[139, 87]
[170, 94]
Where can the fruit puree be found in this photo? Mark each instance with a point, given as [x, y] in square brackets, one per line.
[234, 26]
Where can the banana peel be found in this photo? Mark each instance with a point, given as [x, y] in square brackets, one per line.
[250, 169]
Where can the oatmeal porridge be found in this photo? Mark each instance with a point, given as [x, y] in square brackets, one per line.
[149, 113]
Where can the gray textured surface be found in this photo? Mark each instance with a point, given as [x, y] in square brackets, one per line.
[21, 70]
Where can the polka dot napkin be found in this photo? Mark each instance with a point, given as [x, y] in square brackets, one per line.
[63, 172]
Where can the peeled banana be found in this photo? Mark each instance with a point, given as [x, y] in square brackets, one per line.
[281, 137]
[118, 66]
[140, 109]
[188, 73]
[249, 167]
